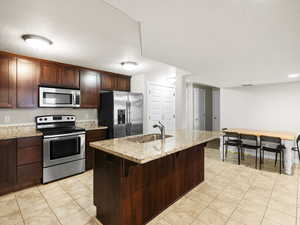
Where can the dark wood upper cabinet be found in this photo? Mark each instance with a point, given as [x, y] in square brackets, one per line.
[55, 74]
[27, 83]
[111, 81]
[7, 81]
[108, 81]
[123, 84]
[69, 77]
[89, 88]
[50, 74]
[8, 165]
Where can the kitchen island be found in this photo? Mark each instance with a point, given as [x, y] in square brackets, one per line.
[136, 178]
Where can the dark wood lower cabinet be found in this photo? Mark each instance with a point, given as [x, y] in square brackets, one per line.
[20, 163]
[29, 162]
[8, 166]
[126, 193]
[92, 135]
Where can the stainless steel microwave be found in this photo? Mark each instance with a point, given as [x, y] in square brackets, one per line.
[59, 97]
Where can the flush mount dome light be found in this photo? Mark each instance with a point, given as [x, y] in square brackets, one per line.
[36, 41]
[129, 65]
[247, 85]
[294, 75]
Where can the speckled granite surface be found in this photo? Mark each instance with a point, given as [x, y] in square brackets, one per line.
[90, 125]
[19, 131]
[145, 152]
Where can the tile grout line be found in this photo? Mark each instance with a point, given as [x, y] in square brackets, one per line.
[238, 204]
[50, 206]
[19, 208]
[74, 200]
[266, 206]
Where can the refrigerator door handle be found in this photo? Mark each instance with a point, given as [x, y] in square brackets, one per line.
[129, 113]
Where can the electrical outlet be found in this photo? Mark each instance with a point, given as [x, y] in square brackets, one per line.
[6, 119]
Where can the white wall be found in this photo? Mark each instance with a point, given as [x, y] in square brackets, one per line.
[24, 116]
[139, 84]
[268, 107]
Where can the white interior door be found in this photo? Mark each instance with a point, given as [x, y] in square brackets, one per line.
[161, 106]
[199, 108]
[216, 109]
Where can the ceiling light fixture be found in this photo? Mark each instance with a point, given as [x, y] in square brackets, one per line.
[247, 85]
[294, 75]
[36, 41]
[128, 65]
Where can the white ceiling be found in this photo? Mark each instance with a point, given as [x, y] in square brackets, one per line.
[88, 33]
[221, 42]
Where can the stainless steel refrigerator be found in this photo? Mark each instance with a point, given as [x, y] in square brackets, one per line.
[122, 113]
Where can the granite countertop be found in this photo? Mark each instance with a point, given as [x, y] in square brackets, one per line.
[90, 125]
[145, 152]
[87, 128]
[11, 132]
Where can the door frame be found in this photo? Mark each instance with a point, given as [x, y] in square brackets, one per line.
[216, 111]
[149, 83]
[201, 117]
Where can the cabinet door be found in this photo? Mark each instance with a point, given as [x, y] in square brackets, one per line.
[123, 84]
[89, 89]
[50, 74]
[70, 77]
[108, 82]
[92, 135]
[7, 165]
[27, 83]
[7, 81]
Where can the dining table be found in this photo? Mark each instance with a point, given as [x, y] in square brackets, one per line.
[288, 140]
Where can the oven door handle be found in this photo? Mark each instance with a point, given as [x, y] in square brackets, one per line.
[58, 136]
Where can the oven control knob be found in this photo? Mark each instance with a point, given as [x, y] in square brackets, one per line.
[45, 119]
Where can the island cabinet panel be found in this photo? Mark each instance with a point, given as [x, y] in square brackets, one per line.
[7, 165]
[89, 88]
[27, 83]
[132, 194]
[7, 81]
[92, 135]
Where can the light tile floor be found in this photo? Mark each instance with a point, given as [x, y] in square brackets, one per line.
[230, 195]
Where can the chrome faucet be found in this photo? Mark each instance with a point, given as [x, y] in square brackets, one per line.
[162, 129]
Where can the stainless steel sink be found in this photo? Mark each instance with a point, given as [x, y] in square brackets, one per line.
[147, 138]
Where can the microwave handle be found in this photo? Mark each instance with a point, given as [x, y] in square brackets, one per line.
[74, 99]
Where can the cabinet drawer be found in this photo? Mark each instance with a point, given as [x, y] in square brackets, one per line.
[29, 172]
[29, 155]
[94, 135]
[29, 142]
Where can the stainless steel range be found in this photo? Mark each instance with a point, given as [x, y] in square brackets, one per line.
[64, 146]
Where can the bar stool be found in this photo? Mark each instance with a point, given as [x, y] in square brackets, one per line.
[277, 148]
[296, 148]
[231, 139]
[250, 142]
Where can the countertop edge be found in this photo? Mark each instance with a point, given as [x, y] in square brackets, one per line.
[143, 161]
[94, 128]
[9, 137]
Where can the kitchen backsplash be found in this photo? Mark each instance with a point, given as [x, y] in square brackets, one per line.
[27, 116]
